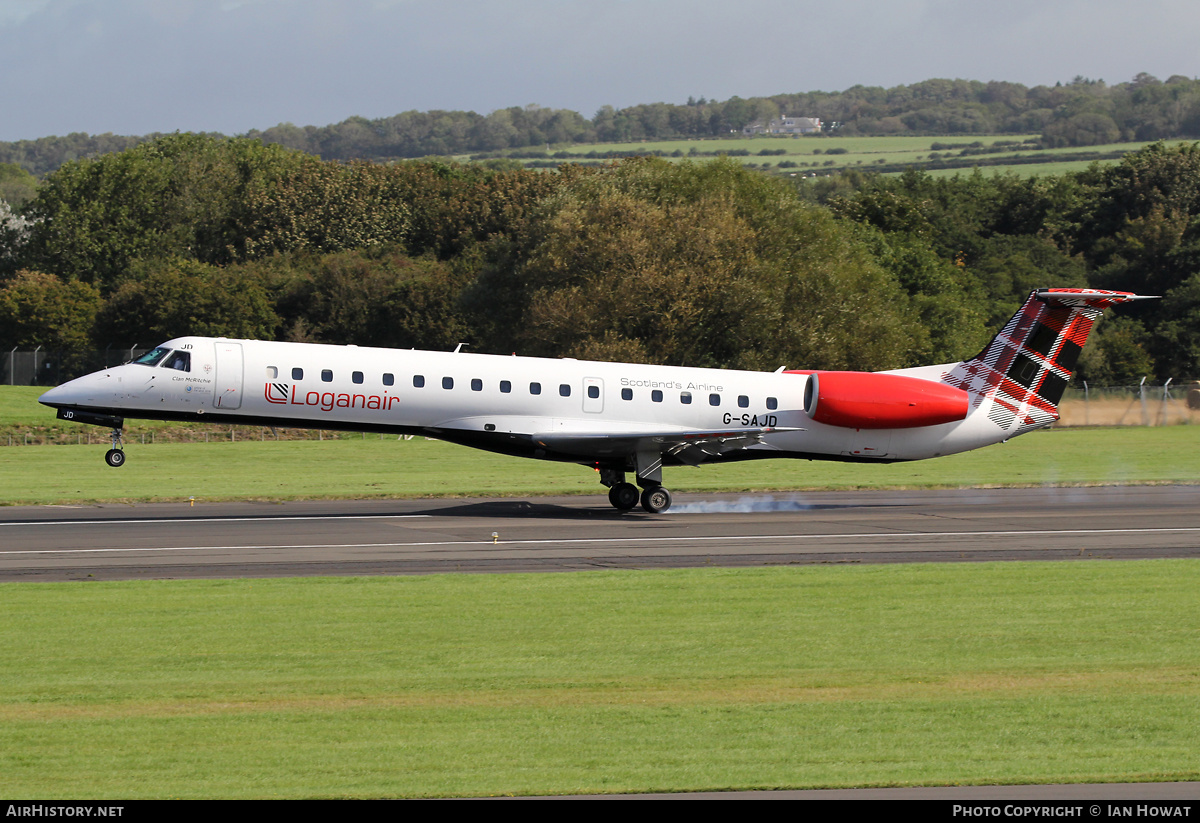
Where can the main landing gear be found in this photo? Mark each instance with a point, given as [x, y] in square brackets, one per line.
[115, 456]
[625, 496]
[656, 499]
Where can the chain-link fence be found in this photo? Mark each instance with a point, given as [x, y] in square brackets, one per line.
[49, 368]
[1143, 404]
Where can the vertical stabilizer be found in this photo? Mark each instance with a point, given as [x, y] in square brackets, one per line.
[1025, 368]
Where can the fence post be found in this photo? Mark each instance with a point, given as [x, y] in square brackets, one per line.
[1164, 413]
[1142, 397]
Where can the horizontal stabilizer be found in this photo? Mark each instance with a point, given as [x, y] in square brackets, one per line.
[1096, 298]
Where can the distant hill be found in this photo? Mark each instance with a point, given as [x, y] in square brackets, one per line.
[1083, 112]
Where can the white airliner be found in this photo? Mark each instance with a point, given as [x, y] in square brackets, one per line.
[615, 417]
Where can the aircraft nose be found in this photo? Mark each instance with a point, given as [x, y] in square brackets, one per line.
[57, 396]
[82, 391]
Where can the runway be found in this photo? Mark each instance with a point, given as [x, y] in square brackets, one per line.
[224, 540]
[392, 537]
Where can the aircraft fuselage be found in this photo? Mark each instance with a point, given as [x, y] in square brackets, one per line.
[490, 401]
[617, 417]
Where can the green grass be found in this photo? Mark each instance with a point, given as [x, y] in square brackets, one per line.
[601, 682]
[866, 152]
[598, 682]
[797, 146]
[363, 467]
[19, 408]
[1024, 170]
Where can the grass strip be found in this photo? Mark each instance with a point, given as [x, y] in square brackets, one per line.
[607, 681]
[365, 468]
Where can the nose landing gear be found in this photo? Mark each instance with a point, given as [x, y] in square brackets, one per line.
[115, 456]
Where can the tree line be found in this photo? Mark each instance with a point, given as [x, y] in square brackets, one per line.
[702, 263]
[1080, 113]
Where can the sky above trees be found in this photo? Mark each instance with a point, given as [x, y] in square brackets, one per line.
[140, 66]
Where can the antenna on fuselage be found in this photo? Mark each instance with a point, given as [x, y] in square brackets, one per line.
[458, 348]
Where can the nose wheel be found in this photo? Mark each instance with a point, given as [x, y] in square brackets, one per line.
[115, 456]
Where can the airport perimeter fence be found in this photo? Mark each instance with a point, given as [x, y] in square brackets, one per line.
[41, 367]
[1144, 404]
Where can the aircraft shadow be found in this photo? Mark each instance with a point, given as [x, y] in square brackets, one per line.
[526, 509]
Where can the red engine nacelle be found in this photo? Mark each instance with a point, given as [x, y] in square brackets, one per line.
[869, 400]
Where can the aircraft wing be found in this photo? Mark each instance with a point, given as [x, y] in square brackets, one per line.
[687, 446]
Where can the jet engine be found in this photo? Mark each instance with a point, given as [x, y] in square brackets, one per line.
[871, 400]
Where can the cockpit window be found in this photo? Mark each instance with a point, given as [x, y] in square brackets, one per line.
[152, 357]
[180, 360]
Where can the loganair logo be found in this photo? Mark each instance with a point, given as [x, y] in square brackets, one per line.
[284, 394]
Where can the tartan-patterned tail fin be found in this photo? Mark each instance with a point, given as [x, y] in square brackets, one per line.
[1025, 368]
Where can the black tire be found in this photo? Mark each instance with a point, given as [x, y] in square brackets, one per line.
[656, 499]
[623, 496]
[115, 458]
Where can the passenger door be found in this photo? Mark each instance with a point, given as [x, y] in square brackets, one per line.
[227, 392]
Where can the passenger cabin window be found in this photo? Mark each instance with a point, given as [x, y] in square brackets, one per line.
[357, 376]
[297, 374]
[564, 390]
[593, 392]
[714, 399]
[418, 381]
[743, 401]
[476, 384]
[535, 388]
[772, 403]
[389, 379]
[326, 375]
[685, 397]
[505, 386]
[272, 372]
[447, 382]
[626, 394]
[180, 361]
[656, 395]
[152, 357]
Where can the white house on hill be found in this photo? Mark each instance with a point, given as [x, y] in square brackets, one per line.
[785, 125]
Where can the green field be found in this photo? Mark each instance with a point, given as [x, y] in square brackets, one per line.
[601, 681]
[365, 468]
[246, 462]
[810, 155]
[598, 682]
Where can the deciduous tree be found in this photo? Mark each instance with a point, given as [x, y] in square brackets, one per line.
[39, 309]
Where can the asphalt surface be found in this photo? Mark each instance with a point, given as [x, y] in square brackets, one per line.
[223, 540]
